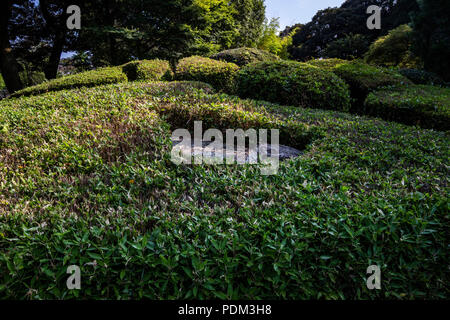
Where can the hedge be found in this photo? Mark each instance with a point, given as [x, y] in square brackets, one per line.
[85, 79]
[327, 64]
[293, 83]
[421, 76]
[422, 105]
[219, 74]
[148, 70]
[363, 79]
[244, 56]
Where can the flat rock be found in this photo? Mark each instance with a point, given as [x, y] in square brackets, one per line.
[285, 152]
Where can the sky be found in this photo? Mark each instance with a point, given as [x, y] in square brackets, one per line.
[297, 11]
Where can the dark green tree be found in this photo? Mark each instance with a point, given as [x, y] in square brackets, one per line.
[250, 16]
[349, 47]
[332, 24]
[431, 34]
[8, 62]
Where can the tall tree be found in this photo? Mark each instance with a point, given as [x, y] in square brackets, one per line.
[332, 24]
[250, 17]
[55, 16]
[8, 63]
[431, 32]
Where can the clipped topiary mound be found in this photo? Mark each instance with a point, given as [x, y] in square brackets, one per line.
[363, 79]
[219, 74]
[293, 83]
[421, 76]
[85, 79]
[326, 64]
[244, 56]
[426, 106]
[148, 70]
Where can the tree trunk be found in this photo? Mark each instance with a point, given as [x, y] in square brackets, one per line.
[51, 69]
[8, 63]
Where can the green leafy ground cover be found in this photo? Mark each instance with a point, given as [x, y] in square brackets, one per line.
[86, 179]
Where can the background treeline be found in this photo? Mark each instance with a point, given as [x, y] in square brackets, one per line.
[415, 34]
[34, 33]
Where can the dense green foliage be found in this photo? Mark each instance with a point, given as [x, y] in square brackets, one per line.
[351, 46]
[148, 70]
[422, 105]
[363, 79]
[219, 74]
[421, 76]
[431, 25]
[293, 83]
[2, 83]
[273, 41]
[393, 49]
[84, 79]
[250, 15]
[86, 179]
[326, 64]
[347, 25]
[244, 56]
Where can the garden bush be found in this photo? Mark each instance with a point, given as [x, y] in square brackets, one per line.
[85, 79]
[219, 74]
[422, 105]
[363, 78]
[244, 56]
[148, 70]
[293, 83]
[326, 64]
[421, 76]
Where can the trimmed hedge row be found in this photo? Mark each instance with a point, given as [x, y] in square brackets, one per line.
[244, 56]
[293, 83]
[422, 105]
[363, 79]
[148, 70]
[421, 76]
[219, 74]
[131, 71]
[85, 79]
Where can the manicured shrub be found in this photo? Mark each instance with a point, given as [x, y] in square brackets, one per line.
[85, 79]
[326, 64]
[421, 76]
[244, 56]
[293, 83]
[422, 105]
[363, 78]
[148, 70]
[219, 74]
